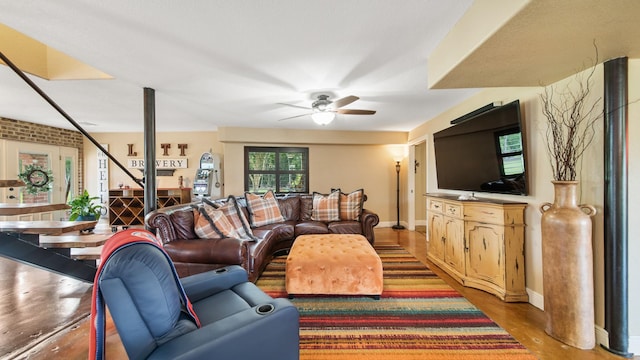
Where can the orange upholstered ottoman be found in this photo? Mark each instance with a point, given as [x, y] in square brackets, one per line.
[333, 264]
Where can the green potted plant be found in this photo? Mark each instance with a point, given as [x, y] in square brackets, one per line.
[84, 209]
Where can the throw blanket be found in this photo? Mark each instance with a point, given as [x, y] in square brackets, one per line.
[119, 241]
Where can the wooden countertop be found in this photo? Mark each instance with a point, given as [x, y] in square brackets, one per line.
[21, 209]
[11, 183]
[46, 227]
[86, 253]
[139, 188]
[73, 241]
[477, 199]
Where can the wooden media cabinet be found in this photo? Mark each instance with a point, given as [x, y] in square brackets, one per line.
[480, 243]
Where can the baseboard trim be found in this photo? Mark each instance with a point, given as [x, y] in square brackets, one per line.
[634, 344]
[387, 224]
[602, 336]
[536, 299]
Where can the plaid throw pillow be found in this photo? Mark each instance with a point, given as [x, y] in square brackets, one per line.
[237, 219]
[210, 223]
[351, 205]
[326, 207]
[263, 210]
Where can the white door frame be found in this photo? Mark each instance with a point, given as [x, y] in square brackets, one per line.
[411, 182]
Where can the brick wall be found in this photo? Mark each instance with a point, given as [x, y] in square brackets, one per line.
[23, 131]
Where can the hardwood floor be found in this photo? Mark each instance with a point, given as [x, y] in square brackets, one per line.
[523, 321]
[50, 305]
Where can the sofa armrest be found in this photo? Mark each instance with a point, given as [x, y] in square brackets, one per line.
[227, 251]
[200, 286]
[160, 223]
[247, 334]
[369, 220]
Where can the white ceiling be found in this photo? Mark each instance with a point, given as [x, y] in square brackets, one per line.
[229, 63]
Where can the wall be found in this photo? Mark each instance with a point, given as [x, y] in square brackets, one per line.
[541, 190]
[332, 163]
[346, 160]
[197, 143]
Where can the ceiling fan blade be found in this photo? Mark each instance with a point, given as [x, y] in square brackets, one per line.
[295, 106]
[293, 117]
[344, 101]
[355, 112]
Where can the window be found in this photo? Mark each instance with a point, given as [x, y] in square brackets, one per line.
[510, 152]
[281, 169]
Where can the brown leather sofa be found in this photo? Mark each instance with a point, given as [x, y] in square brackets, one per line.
[174, 225]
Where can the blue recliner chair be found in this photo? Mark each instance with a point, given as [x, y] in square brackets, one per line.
[238, 320]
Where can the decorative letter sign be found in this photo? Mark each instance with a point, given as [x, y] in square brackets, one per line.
[165, 148]
[160, 163]
[182, 148]
[131, 152]
[103, 174]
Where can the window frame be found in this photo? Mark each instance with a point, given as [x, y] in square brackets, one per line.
[277, 150]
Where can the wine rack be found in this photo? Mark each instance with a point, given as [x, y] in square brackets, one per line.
[126, 206]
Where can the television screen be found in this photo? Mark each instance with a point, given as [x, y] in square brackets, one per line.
[484, 153]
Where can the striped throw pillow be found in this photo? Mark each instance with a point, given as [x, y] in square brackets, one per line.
[351, 205]
[263, 210]
[326, 207]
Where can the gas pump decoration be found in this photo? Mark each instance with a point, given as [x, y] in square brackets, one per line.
[208, 179]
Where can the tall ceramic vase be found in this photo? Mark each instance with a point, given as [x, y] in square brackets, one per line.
[567, 259]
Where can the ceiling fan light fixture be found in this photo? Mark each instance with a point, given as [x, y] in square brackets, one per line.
[323, 110]
[323, 117]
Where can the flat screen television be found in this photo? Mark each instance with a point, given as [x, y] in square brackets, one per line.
[483, 153]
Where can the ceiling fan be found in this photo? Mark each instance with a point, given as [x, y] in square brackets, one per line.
[323, 110]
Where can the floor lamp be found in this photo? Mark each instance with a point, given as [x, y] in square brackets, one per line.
[397, 226]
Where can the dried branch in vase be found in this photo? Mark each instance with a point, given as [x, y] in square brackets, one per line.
[571, 119]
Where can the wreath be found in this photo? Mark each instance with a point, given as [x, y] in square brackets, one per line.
[36, 179]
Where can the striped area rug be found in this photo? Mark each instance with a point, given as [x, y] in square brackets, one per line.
[418, 317]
